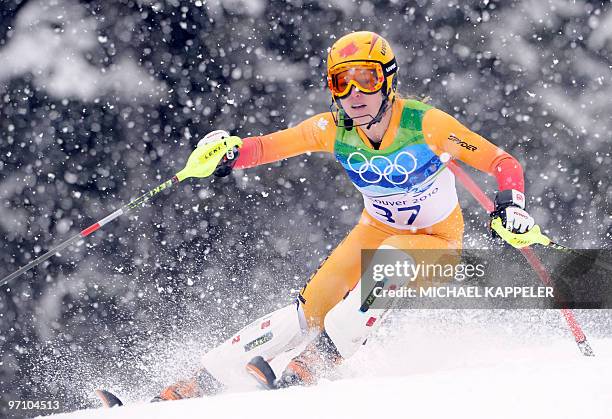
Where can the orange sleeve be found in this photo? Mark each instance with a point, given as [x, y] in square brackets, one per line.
[444, 134]
[314, 134]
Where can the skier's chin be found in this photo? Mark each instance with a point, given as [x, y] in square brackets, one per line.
[360, 117]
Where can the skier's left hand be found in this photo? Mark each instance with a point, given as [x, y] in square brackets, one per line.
[510, 209]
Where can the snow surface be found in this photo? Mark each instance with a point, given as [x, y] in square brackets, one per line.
[448, 365]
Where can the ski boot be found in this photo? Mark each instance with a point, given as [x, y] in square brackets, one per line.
[202, 384]
[302, 370]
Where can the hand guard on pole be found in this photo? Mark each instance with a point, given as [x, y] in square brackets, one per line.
[519, 240]
[216, 154]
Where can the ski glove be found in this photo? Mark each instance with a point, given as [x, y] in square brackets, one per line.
[510, 208]
[512, 223]
[216, 154]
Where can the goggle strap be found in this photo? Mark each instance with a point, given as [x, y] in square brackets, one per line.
[390, 68]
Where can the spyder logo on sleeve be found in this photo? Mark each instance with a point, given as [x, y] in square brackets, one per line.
[453, 138]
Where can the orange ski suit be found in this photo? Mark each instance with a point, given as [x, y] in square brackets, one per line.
[441, 133]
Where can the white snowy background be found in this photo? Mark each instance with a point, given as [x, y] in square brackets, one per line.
[103, 100]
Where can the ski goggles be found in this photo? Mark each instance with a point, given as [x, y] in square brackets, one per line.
[367, 76]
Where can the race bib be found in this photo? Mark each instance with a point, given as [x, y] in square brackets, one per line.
[424, 206]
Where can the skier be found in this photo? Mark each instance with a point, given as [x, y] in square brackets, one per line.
[394, 151]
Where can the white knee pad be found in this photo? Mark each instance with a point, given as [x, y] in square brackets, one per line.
[349, 322]
[268, 336]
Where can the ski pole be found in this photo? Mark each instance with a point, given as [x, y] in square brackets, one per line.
[527, 252]
[535, 236]
[601, 263]
[95, 226]
[201, 163]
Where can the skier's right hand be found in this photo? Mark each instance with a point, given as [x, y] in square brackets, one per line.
[231, 143]
[216, 153]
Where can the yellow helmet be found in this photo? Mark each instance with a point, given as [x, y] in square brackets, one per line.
[363, 48]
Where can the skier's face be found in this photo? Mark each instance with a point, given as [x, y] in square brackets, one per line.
[359, 105]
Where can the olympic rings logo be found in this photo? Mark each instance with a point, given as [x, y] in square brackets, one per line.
[359, 164]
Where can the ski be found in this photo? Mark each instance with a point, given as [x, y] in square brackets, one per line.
[108, 399]
[261, 370]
